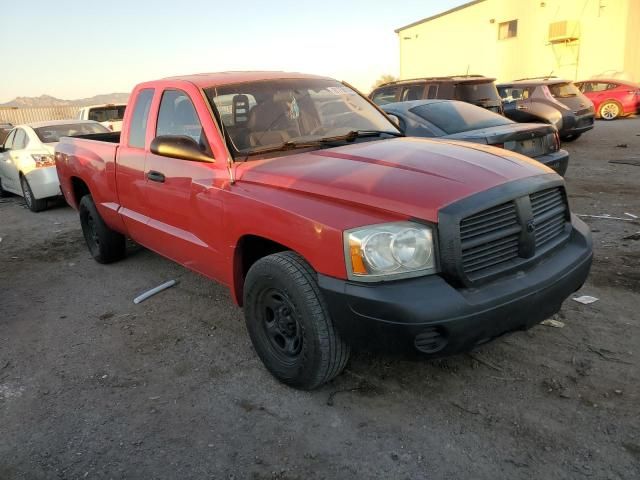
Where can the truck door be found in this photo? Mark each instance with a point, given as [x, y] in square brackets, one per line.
[182, 197]
[130, 179]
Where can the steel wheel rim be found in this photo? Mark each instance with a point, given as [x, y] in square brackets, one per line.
[610, 111]
[280, 325]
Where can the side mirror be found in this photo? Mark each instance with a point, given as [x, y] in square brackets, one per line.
[179, 146]
[395, 120]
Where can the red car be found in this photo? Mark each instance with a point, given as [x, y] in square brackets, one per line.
[325, 226]
[611, 98]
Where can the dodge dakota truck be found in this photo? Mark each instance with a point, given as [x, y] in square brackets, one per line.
[330, 228]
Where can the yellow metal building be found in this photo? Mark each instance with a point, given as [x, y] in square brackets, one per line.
[510, 39]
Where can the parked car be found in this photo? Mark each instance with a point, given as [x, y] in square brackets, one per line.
[475, 89]
[549, 100]
[328, 236]
[5, 128]
[454, 120]
[27, 166]
[612, 98]
[109, 115]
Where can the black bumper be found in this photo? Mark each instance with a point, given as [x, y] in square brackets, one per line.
[577, 125]
[558, 161]
[429, 315]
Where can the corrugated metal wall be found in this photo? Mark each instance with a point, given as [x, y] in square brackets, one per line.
[17, 116]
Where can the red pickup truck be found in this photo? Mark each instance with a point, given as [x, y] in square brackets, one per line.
[330, 230]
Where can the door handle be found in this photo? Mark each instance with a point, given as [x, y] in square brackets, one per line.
[155, 176]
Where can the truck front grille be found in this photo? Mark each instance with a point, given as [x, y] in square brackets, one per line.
[549, 213]
[489, 238]
[502, 236]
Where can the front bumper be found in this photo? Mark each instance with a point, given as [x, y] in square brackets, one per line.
[430, 315]
[44, 182]
[558, 161]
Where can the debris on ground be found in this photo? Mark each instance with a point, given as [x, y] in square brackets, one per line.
[631, 215]
[142, 297]
[550, 322]
[606, 216]
[585, 299]
[623, 145]
[635, 163]
[633, 236]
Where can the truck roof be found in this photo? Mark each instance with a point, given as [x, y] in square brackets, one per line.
[205, 80]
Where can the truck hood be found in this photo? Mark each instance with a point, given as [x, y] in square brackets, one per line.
[412, 177]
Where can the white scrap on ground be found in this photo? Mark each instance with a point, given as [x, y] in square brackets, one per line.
[550, 322]
[153, 291]
[585, 299]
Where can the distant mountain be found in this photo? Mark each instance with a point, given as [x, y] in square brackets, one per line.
[49, 101]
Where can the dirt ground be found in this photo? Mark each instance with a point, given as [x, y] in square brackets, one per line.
[93, 386]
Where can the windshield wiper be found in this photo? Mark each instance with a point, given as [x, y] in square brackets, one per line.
[348, 137]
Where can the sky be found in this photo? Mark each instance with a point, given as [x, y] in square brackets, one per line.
[73, 50]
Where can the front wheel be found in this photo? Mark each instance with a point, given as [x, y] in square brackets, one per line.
[105, 245]
[289, 323]
[34, 204]
[610, 110]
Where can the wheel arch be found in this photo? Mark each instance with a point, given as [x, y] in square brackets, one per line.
[248, 250]
[79, 188]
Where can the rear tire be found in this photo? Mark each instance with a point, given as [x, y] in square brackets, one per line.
[610, 111]
[105, 245]
[34, 204]
[289, 323]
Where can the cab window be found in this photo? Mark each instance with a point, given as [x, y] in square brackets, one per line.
[177, 116]
[138, 122]
[414, 92]
[384, 96]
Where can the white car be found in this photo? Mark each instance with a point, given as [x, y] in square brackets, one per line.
[27, 164]
[110, 115]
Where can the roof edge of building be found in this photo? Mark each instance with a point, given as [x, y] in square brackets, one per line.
[433, 17]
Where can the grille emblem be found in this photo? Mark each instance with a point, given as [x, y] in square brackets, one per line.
[531, 226]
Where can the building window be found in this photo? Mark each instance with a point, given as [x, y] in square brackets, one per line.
[508, 30]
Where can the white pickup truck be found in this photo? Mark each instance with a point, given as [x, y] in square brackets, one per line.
[110, 115]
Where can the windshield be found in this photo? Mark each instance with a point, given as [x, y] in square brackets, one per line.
[456, 117]
[477, 92]
[52, 133]
[263, 114]
[564, 90]
[111, 113]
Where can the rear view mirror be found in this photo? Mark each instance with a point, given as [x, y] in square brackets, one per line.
[179, 146]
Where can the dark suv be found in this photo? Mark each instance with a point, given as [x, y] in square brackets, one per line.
[548, 100]
[475, 89]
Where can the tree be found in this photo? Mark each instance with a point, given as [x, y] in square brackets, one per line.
[384, 79]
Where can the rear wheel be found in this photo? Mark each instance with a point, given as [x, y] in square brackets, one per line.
[289, 323]
[610, 110]
[105, 245]
[34, 204]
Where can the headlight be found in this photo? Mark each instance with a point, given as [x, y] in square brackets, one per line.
[388, 251]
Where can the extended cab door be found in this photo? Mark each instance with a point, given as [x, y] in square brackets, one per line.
[130, 179]
[183, 197]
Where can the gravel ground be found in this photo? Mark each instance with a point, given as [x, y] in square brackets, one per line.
[93, 386]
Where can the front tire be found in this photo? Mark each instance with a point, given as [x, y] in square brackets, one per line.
[610, 111]
[34, 204]
[105, 245]
[289, 323]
